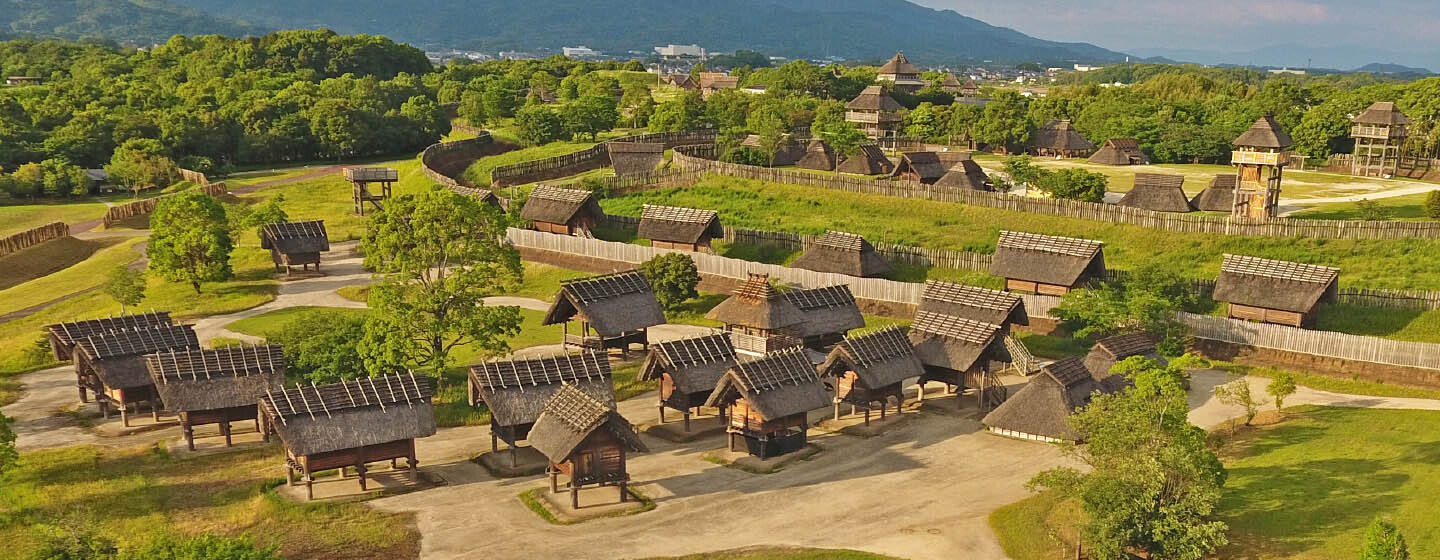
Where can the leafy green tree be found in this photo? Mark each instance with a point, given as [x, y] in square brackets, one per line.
[682, 112]
[322, 347]
[1004, 123]
[1148, 301]
[673, 277]
[569, 88]
[140, 163]
[1283, 385]
[961, 121]
[1074, 184]
[1022, 170]
[1432, 205]
[190, 239]
[538, 125]
[125, 286]
[770, 130]
[437, 255]
[925, 121]
[1383, 541]
[1237, 393]
[843, 137]
[1371, 210]
[499, 101]
[590, 115]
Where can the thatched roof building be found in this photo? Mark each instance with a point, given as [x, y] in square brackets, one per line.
[217, 386]
[1059, 138]
[1265, 133]
[112, 365]
[955, 344]
[292, 243]
[1046, 264]
[952, 85]
[1272, 291]
[64, 335]
[775, 386]
[870, 160]
[1040, 409]
[874, 99]
[1382, 113]
[1218, 196]
[924, 167]
[966, 174]
[874, 111]
[830, 312]
[563, 211]
[871, 368]
[688, 369]
[674, 227]
[1158, 192]
[516, 391]
[614, 305]
[787, 151]
[760, 318]
[587, 440]
[1115, 349]
[635, 158]
[843, 253]
[1119, 151]
[818, 156]
[901, 72]
[976, 304]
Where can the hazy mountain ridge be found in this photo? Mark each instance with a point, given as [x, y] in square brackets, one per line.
[139, 22]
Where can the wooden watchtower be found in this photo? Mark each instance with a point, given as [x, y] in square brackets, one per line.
[1260, 158]
[362, 177]
[1380, 133]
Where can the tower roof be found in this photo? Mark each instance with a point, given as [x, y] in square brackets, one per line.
[1265, 133]
[1382, 113]
[899, 65]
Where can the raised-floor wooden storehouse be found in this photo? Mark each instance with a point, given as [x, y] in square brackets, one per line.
[673, 227]
[759, 318]
[350, 424]
[818, 156]
[295, 243]
[966, 174]
[869, 369]
[974, 303]
[362, 178]
[830, 313]
[687, 370]
[1046, 264]
[635, 158]
[870, 160]
[585, 439]
[922, 167]
[838, 252]
[875, 112]
[1119, 151]
[959, 353]
[1039, 410]
[563, 211]
[1259, 158]
[618, 307]
[1380, 133]
[1112, 350]
[516, 391]
[1060, 139]
[1158, 192]
[217, 386]
[63, 336]
[112, 365]
[1218, 196]
[767, 400]
[1271, 291]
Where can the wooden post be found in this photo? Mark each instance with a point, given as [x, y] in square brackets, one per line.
[574, 495]
[554, 478]
[360, 470]
[189, 434]
[687, 420]
[225, 429]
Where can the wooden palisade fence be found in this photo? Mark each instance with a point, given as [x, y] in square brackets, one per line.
[122, 212]
[595, 157]
[14, 243]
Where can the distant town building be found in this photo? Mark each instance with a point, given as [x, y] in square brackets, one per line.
[900, 72]
[711, 82]
[1086, 67]
[677, 51]
[1287, 71]
[24, 81]
[581, 51]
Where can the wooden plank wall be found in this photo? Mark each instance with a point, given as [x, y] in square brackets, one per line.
[122, 212]
[31, 237]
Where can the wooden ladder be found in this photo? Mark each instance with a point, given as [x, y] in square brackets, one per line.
[1021, 359]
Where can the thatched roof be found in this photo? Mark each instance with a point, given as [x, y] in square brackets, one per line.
[67, 333]
[1044, 404]
[1383, 113]
[965, 174]
[555, 205]
[695, 364]
[193, 379]
[1265, 133]
[295, 237]
[970, 302]
[819, 156]
[757, 304]
[1272, 284]
[951, 342]
[880, 358]
[1119, 151]
[1158, 192]
[485, 196]
[1111, 350]
[951, 84]
[516, 390]
[776, 385]
[874, 98]
[870, 160]
[1047, 259]
[787, 151]
[118, 358]
[827, 310]
[678, 225]
[718, 80]
[351, 414]
[571, 416]
[634, 158]
[843, 253]
[898, 64]
[614, 304]
[1219, 196]
[1060, 136]
[925, 166]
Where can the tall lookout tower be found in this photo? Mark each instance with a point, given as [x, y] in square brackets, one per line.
[1260, 156]
[1379, 134]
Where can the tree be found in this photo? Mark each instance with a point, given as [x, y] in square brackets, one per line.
[1432, 205]
[1022, 170]
[673, 277]
[190, 239]
[1237, 393]
[589, 115]
[1371, 210]
[1148, 300]
[1152, 482]
[1283, 385]
[323, 346]
[770, 130]
[125, 286]
[845, 138]
[140, 163]
[538, 125]
[437, 255]
[499, 101]
[1074, 184]
[1004, 122]
[1383, 541]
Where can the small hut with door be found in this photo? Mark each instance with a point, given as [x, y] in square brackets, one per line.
[350, 424]
[635, 158]
[1060, 139]
[618, 307]
[952, 85]
[818, 156]
[585, 439]
[516, 391]
[563, 211]
[361, 179]
[830, 313]
[838, 252]
[1112, 350]
[295, 243]
[112, 365]
[673, 227]
[923, 167]
[875, 112]
[759, 318]
[870, 160]
[1039, 410]
[958, 352]
[767, 400]
[870, 368]
[1158, 192]
[1271, 291]
[1119, 151]
[1218, 196]
[687, 370]
[1046, 264]
[966, 174]
[63, 336]
[974, 303]
[217, 386]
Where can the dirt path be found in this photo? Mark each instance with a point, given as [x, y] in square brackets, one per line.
[321, 172]
[342, 267]
[1207, 412]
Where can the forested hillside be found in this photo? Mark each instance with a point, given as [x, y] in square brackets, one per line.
[136, 22]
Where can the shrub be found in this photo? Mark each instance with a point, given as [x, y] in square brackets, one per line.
[1432, 205]
[1371, 210]
[673, 276]
[1383, 541]
[322, 346]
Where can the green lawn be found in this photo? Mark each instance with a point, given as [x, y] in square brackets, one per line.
[479, 172]
[1041, 527]
[1398, 324]
[1410, 207]
[247, 178]
[16, 217]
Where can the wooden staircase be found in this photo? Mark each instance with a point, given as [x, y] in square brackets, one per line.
[1022, 360]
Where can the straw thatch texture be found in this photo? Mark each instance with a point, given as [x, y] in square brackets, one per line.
[1112, 350]
[678, 225]
[828, 310]
[874, 99]
[634, 158]
[924, 167]
[516, 390]
[1060, 137]
[880, 358]
[818, 156]
[555, 205]
[695, 364]
[1383, 113]
[777, 385]
[965, 174]
[1219, 196]
[351, 414]
[974, 303]
[1158, 192]
[757, 304]
[1119, 151]
[1272, 284]
[870, 160]
[1265, 133]
[64, 335]
[898, 64]
[843, 253]
[193, 379]
[1042, 406]
[1059, 261]
[118, 358]
[613, 304]
[570, 417]
[954, 343]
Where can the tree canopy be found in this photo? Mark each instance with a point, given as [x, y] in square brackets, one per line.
[190, 239]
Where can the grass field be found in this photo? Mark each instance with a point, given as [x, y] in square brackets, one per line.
[131, 495]
[1041, 527]
[18, 216]
[49, 258]
[1398, 324]
[479, 172]
[1410, 207]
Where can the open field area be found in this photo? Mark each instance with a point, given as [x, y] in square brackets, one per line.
[17, 216]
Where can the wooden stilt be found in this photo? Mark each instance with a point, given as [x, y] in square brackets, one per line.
[225, 429]
[574, 496]
[189, 436]
[687, 420]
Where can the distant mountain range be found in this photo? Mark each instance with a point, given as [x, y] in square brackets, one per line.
[1338, 57]
[138, 22]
